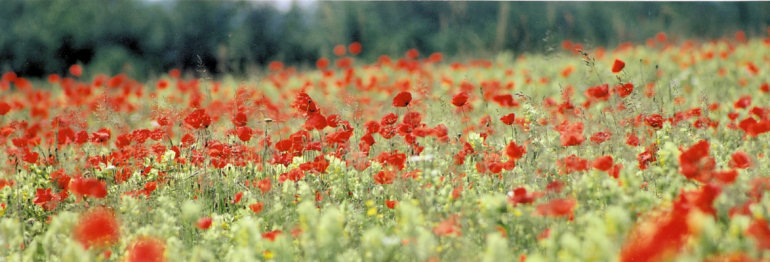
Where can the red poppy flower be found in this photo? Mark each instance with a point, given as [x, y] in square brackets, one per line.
[354, 48]
[391, 203]
[4, 108]
[322, 63]
[264, 185]
[198, 119]
[275, 66]
[146, 249]
[743, 102]
[389, 119]
[339, 50]
[76, 70]
[557, 208]
[204, 223]
[600, 92]
[384, 177]
[695, 162]
[449, 226]
[237, 198]
[727, 177]
[600, 137]
[740, 160]
[514, 151]
[240, 119]
[412, 53]
[257, 207]
[402, 99]
[315, 121]
[567, 71]
[373, 127]
[602, 163]
[90, 187]
[460, 99]
[271, 235]
[625, 89]
[618, 66]
[101, 136]
[508, 119]
[505, 100]
[304, 104]
[572, 163]
[43, 198]
[97, 227]
[645, 158]
[654, 121]
[520, 196]
[244, 133]
[760, 231]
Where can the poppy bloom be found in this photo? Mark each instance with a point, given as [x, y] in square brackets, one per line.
[76, 70]
[264, 185]
[237, 198]
[391, 203]
[625, 89]
[304, 104]
[354, 48]
[322, 63]
[654, 121]
[695, 162]
[384, 177]
[387, 120]
[315, 121]
[508, 119]
[271, 235]
[91, 187]
[43, 198]
[740, 160]
[618, 66]
[449, 226]
[727, 177]
[339, 50]
[505, 100]
[402, 99]
[743, 102]
[412, 53]
[198, 119]
[514, 151]
[97, 227]
[240, 119]
[602, 163]
[600, 137]
[146, 249]
[645, 158]
[4, 108]
[557, 208]
[204, 223]
[460, 99]
[257, 207]
[244, 133]
[760, 231]
[520, 196]
[600, 92]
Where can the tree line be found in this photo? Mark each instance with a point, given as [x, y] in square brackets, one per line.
[145, 38]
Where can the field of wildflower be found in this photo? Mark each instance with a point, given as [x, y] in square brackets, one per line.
[636, 153]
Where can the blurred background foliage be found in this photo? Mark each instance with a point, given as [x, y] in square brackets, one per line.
[145, 38]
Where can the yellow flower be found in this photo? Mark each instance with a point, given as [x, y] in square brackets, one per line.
[268, 254]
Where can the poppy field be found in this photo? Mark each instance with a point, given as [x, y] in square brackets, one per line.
[651, 152]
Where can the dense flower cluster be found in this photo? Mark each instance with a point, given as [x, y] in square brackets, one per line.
[406, 158]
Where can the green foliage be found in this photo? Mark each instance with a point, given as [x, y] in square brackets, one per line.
[145, 37]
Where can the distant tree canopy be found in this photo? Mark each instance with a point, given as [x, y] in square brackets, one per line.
[143, 38]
